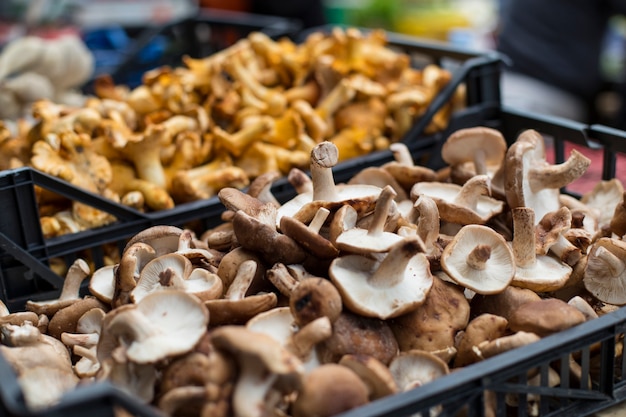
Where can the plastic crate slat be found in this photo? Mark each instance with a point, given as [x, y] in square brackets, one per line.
[7, 245]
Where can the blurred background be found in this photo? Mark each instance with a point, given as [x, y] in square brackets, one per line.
[109, 27]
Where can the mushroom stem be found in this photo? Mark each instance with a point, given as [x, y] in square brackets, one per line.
[76, 274]
[323, 157]
[566, 251]
[304, 340]
[389, 271]
[428, 220]
[238, 142]
[401, 154]
[339, 95]
[559, 175]
[242, 281]
[480, 163]
[474, 187]
[524, 236]
[318, 221]
[615, 265]
[253, 384]
[478, 257]
[383, 205]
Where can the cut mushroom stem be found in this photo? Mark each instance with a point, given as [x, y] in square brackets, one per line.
[559, 175]
[389, 272]
[304, 340]
[242, 281]
[524, 236]
[428, 220]
[318, 221]
[323, 158]
[475, 187]
[479, 256]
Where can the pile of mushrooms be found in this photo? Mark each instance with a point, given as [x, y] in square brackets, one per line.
[257, 106]
[343, 295]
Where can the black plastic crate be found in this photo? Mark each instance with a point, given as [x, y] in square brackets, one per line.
[25, 255]
[464, 391]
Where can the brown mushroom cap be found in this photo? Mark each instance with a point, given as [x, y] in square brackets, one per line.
[329, 390]
[373, 372]
[434, 324]
[353, 333]
[465, 204]
[545, 317]
[309, 236]
[313, 298]
[483, 328]
[480, 259]
[164, 239]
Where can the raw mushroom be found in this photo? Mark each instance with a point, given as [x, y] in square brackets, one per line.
[433, 325]
[480, 259]
[540, 273]
[404, 169]
[235, 307]
[134, 258]
[162, 324]
[415, 368]
[384, 289]
[175, 271]
[76, 274]
[483, 328]
[41, 363]
[530, 181]
[467, 204]
[603, 200]
[550, 236]
[374, 239]
[325, 193]
[482, 146]
[329, 390]
[605, 272]
[163, 239]
[374, 373]
[265, 369]
[545, 317]
[308, 236]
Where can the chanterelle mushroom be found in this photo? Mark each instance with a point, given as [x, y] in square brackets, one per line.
[384, 289]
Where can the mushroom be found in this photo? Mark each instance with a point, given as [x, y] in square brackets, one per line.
[175, 271]
[235, 307]
[482, 146]
[504, 303]
[540, 273]
[404, 169]
[374, 238]
[530, 181]
[357, 334]
[329, 390]
[480, 259]
[41, 363]
[134, 257]
[374, 373]
[603, 200]
[384, 289]
[163, 239]
[416, 368]
[325, 193]
[433, 325]
[550, 236]
[545, 317]
[605, 271]
[265, 369]
[484, 328]
[76, 274]
[309, 237]
[467, 204]
[162, 324]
